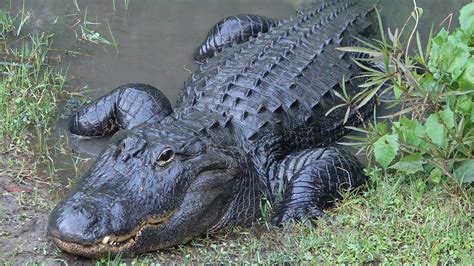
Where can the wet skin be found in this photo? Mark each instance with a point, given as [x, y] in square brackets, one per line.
[253, 122]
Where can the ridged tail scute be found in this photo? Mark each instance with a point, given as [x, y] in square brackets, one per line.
[127, 106]
[285, 76]
[230, 31]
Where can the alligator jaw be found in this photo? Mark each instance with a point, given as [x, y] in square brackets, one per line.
[97, 250]
[109, 244]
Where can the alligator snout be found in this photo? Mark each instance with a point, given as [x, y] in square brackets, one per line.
[76, 223]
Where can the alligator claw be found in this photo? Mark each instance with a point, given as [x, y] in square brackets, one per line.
[298, 215]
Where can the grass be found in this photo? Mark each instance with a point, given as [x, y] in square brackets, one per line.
[125, 5]
[392, 220]
[396, 218]
[29, 90]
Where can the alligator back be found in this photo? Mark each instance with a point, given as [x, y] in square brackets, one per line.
[282, 80]
[232, 30]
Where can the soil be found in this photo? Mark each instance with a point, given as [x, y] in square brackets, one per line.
[25, 203]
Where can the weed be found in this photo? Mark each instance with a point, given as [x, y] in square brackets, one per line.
[398, 217]
[114, 41]
[125, 5]
[28, 94]
[89, 34]
[24, 17]
[6, 23]
[431, 135]
[76, 5]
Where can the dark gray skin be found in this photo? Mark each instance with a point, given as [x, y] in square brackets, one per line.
[252, 123]
[231, 31]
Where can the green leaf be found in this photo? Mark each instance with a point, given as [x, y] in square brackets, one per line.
[381, 128]
[369, 96]
[449, 56]
[429, 83]
[466, 18]
[465, 104]
[361, 50]
[466, 81]
[410, 164]
[435, 130]
[421, 188]
[436, 175]
[386, 149]
[397, 91]
[411, 132]
[465, 171]
[448, 117]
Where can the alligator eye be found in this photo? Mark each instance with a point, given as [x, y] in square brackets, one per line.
[165, 157]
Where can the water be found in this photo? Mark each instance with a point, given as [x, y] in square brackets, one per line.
[157, 38]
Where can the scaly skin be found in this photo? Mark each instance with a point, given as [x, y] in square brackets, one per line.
[251, 123]
[231, 31]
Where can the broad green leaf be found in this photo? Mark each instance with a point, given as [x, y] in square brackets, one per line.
[386, 149]
[448, 117]
[435, 130]
[466, 18]
[441, 38]
[436, 175]
[449, 56]
[382, 128]
[466, 81]
[410, 164]
[465, 171]
[397, 128]
[465, 104]
[429, 83]
[412, 132]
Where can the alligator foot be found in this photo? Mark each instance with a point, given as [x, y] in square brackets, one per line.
[314, 179]
[125, 107]
[232, 30]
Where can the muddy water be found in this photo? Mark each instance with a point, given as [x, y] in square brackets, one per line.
[156, 38]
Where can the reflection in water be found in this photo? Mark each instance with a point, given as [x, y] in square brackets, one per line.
[157, 38]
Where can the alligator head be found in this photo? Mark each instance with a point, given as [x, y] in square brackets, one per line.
[151, 188]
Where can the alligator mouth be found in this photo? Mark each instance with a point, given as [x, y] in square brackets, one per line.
[109, 244]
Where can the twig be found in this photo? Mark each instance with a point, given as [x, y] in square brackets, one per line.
[417, 19]
[4, 63]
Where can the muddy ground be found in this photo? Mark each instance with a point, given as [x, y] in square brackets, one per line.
[25, 202]
[26, 198]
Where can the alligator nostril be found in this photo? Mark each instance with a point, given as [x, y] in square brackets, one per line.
[133, 148]
[88, 217]
[74, 223]
[85, 212]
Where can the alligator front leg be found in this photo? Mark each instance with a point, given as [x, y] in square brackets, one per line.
[125, 107]
[232, 30]
[313, 179]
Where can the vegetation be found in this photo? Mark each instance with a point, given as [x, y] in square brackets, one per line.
[417, 206]
[421, 156]
[29, 87]
[392, 220]
[431, 133]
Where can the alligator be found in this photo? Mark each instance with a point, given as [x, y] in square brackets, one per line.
[232, 30]
[255, 123]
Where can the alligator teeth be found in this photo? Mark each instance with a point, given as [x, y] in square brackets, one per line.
[105, 240]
